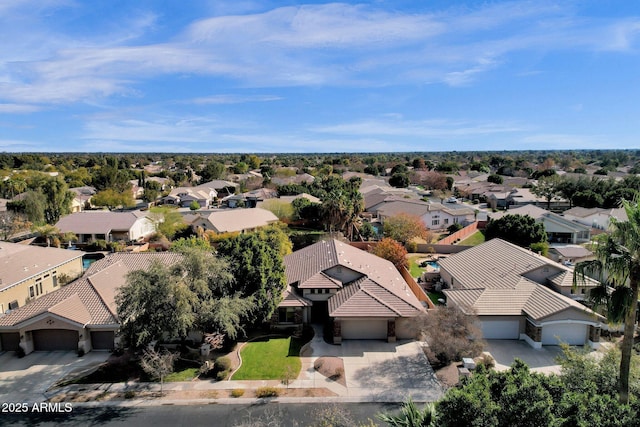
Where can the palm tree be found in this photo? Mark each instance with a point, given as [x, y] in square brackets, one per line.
[411, 416]
[617, 265]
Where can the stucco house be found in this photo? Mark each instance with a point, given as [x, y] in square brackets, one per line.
[203, 194]
[517, 294]
[598, 218]
[130, 226]
[362, 295]
[234, 220]
[559, 229]
[435, 216]
[79, 316]
[30, 272]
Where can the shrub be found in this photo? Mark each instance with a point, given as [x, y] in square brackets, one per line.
[223, 364]
[412, 247]
[487, 361]
[222, 375]
[237, 392]
[267, 392]
[129, 394]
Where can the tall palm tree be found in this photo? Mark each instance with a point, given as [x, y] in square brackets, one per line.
[617, 265]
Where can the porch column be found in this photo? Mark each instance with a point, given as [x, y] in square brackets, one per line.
[594, 336]
[337, 332]
[391, 330]
[84, 340]
[533, 335]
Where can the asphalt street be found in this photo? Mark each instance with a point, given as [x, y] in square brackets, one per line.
[236, 415]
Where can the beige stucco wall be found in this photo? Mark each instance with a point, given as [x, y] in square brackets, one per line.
[406, 328]
[20, 292]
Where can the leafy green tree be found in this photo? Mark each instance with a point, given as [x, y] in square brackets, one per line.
[181, 244]
[547, 187]
[469, 405]
[152, 303]
[168, 221]
[212, 170]
[588, 199]
[521, 230]
[259, 271]
[617, 265]
[113, 199]
[194, 206]
[399, 180]
[494, 178]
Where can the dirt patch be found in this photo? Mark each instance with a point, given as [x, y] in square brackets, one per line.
[448, 375]
[332, 368]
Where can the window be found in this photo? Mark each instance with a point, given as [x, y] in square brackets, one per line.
[446, 220]
[435, 222]
[1, 308]
[286, 315]
[40, 286]
[13, 305]
[582, 291]
[31, 292]
[55, 280]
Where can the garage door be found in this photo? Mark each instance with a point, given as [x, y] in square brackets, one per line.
[364, 329]
[102, 340]
[500, 329]
[570, 333]
[10, 341]
[55, 339]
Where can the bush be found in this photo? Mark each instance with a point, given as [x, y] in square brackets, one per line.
[487, 361]
[267, 392]
[222, 375]
[129, 394]
[237, 392]
[412, 247]
[223, 364]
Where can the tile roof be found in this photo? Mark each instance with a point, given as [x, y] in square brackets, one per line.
[490, 278]
[19, 262]
[383, 279]
[98, 222]
[320, 281]
[90, 300]
[291, 299]
[572, 251]
[240, 219]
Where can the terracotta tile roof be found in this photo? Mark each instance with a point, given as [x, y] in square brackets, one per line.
[490, 280]
[90, 299]
[291, 299]
[98, 222]
[383, 281]
[366, 298]
[20, 262]
[320, 281]
[61, 304]
[240, 219]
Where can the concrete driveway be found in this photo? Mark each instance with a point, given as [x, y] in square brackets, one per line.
[375, 370]
[542, 360]
[27, 379]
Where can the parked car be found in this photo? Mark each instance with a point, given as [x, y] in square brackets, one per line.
[451, 200]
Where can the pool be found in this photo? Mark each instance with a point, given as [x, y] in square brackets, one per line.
[434, 265]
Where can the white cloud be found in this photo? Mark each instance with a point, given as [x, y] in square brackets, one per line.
[233, 99]
[18, 108]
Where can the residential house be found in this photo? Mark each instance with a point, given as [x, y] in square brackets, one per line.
[570, 254]
[82, 198]
[362, 295]
[250, 199]
[524, 196]
[598, 218]
[559, 229]
[517, 294]
[203, 194]
[29, 272]
[235, 220]
[89, 226]
[309, 197]
[81, 315]
[435, 216]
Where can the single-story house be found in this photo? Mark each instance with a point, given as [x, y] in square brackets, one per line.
[362, 295]
[203, 194]
[517, 294]
[235, 220]
[559, 229]
[524, 196]
[130, 226]
[30, 272]
[79, 316]
[570, 254]
[82, 198]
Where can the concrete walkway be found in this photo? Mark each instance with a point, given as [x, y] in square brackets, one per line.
[375, 371]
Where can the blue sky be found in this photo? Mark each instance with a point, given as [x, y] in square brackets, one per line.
[286, 76]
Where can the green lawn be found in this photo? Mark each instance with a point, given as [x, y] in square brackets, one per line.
[435, 296]
[473, 240]
[184, 375]
[270, 360]
[414, 268]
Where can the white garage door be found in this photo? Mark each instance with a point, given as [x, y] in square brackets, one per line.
[500, 329]
[570, 333]
[364, 329]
